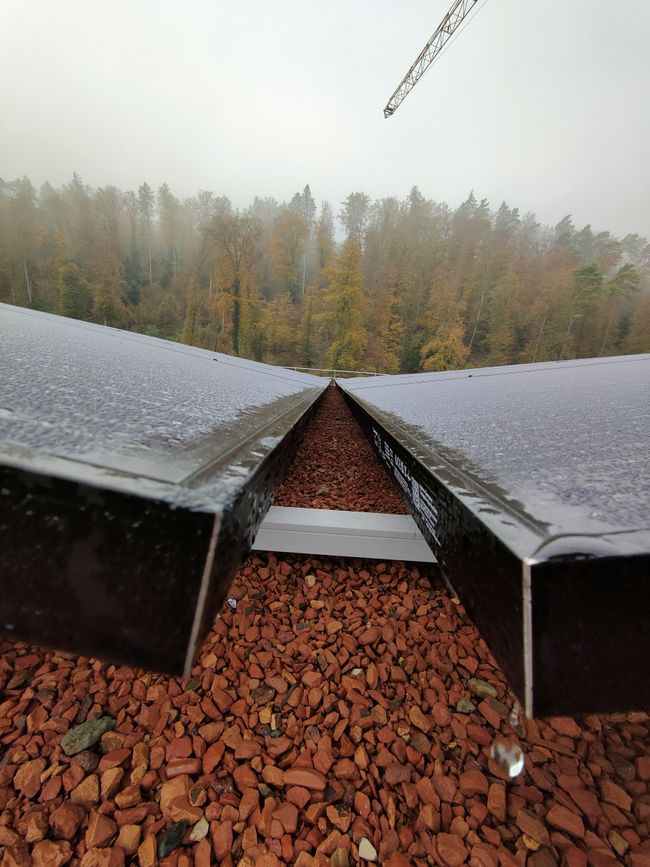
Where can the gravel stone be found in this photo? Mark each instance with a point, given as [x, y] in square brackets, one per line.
[481, 688]
[366, 850]
[86, 735]
[171, 838]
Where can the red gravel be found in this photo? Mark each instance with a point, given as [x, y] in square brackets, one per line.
[336, 468]
[321, 712]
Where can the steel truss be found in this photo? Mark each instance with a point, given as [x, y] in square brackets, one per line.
[449, 24]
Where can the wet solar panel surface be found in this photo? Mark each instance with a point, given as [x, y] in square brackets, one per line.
[567, 442]
[136, 404]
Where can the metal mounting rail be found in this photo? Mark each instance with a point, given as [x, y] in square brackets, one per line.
[531, 483]
[134, 473]
[336, 371]
[337, 533]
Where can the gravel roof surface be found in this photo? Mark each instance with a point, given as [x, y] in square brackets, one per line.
[336, 468]
[342, 713]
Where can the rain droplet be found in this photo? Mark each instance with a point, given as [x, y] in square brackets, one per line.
[232, 602]
[513, 719]
[507, 755]
[517, 720]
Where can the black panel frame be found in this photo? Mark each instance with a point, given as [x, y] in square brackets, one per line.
[125, 576]
[590, 646]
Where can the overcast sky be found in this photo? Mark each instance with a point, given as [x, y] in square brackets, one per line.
[543, 104]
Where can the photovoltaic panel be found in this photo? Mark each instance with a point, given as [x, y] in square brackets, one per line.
[134, 473]
[532, 485]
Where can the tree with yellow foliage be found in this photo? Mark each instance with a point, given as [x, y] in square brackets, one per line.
[235, 236]
[344, 309]
[446, 352]
[638, 337]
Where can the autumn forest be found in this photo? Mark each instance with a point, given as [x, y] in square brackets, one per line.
[384, 285]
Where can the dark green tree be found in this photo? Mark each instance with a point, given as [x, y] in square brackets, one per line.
[75, 293]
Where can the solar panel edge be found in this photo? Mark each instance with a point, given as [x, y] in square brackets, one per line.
[462, 544]
[113, 574]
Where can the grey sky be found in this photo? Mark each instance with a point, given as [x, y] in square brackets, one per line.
[543, 104]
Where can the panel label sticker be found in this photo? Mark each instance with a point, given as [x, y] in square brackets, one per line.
[419, 497]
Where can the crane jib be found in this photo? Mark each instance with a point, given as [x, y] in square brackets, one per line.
[445, 30]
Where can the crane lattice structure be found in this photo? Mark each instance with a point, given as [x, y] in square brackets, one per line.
[452, 20]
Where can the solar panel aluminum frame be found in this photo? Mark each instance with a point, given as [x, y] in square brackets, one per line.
[551, 609]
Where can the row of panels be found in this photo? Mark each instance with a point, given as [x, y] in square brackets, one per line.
[134, 474]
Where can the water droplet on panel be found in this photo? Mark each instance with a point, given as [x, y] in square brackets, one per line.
[513, 719]
[517, 720]
[507, 755]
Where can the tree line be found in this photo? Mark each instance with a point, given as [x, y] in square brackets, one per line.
[387, 285]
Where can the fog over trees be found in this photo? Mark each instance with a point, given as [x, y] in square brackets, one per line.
[388, 285]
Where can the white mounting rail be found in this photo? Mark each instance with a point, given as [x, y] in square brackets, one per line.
[342, 534]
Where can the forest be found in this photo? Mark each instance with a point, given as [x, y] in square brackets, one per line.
[387, 285]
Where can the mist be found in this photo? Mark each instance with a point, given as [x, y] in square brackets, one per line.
[542, 105]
